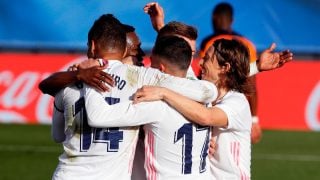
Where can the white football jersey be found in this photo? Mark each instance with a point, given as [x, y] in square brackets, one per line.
[138, 171]
[97, 152]
[232, 157]
[174, 147]
[191, 74]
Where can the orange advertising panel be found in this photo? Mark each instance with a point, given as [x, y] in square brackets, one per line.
[288, 98]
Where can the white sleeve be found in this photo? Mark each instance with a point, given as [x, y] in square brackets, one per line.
[57, 128]
[253, 68]
[101, 114]
[201, 91]
[237, 110]
[197, 90]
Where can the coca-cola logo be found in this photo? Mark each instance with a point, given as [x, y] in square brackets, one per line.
[18, 94]
[20, 91]
[312, 109]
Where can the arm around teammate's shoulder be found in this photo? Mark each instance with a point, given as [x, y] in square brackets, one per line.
[192, 110]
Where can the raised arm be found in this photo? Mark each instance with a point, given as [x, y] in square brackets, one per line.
[156, 14]
[270, 60]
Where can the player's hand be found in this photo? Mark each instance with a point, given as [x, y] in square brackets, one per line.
[256, 133]
[271, 60]
[95, 77]
[88, 63]
[148, 93]
[74, 67]
[212, 147]
[156, 14]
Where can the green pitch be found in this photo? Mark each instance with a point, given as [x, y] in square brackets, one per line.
[27, 152]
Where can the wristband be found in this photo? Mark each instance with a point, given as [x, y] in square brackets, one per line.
[253, 68]
[255, 119]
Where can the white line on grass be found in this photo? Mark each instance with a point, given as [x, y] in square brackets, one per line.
[26, 148]
[288, 157]
[51, 149]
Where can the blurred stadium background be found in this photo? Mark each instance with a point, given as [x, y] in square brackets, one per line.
[41, 37]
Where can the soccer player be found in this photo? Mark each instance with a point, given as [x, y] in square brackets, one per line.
[134, 54]
[107, 153]
[222, 20]
[226, 65]
[93, 76]
[189, 34]
[175, 147]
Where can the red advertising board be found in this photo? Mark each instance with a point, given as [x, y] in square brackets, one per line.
[20, 99]
[288, 98]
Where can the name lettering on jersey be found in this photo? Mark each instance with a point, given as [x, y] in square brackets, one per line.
[119, 83]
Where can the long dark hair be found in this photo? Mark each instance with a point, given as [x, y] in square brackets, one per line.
[237, 55]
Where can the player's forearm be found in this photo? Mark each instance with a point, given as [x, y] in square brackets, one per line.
[57, 81]
[123, 114]
[200, 91]
[100, 114]
[109, 115]
[252, 97]
[57, 128]
[192, 110]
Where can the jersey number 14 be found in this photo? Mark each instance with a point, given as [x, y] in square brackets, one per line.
[111, 136]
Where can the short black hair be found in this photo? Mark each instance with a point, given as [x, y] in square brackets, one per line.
[174, 50]
[127, 28]
[179, 28]
[223, 8]
[108, 34]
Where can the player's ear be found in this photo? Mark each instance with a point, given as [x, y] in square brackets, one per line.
[226, 68]
[93, 47]
[125, 53]
[162, 67]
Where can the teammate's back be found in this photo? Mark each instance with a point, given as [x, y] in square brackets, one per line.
[90, 151]
[175, 148]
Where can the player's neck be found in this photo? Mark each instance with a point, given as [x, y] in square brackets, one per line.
[221, 93]
[113, 56]
[177, 73]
